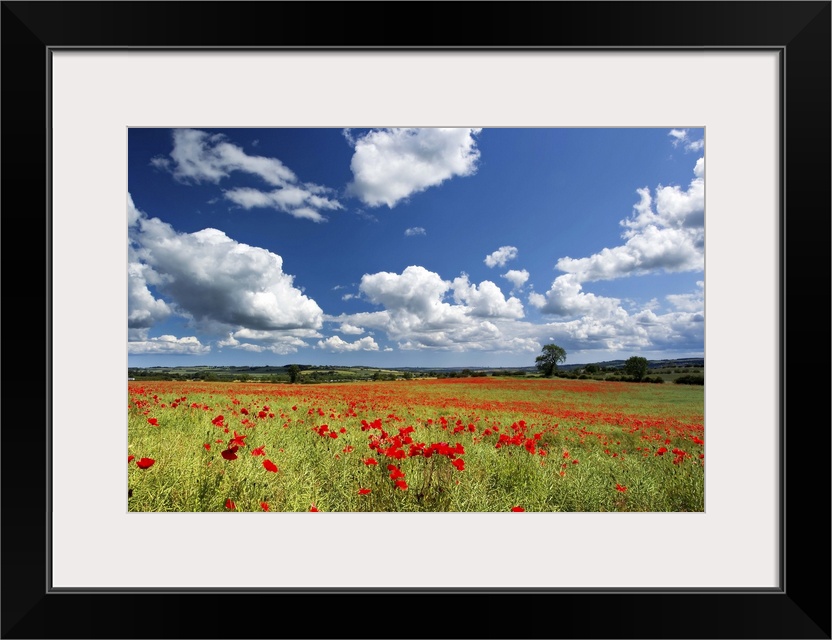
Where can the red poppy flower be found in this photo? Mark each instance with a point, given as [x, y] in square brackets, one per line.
[620, 488]
[237, 441]
[259, 451]
[130, 458]
[313, 508]
[145, 463]
[153, 421]
[228, 454]
[229, 504]
[459, 463]
[264, 506]
[661, 451]
[517, 509]
[364, 492]
[268, 465]
[401, 484]
[207, 446]
[370, 461]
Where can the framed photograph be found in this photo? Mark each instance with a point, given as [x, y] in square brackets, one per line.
[206, 123]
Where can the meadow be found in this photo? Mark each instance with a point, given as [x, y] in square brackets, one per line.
[489, 444]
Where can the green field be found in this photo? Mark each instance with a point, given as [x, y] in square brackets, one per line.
[486, 444]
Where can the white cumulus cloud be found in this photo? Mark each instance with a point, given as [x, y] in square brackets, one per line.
[221, 285]
[198, 156]
[390, 165]
[517, 278]
[485, 300]
[682, 137]
[416, 314]
[351, 330]
[143, 309]
[338, 345]
[167, 345]
[664, 233]
[414, 231]
[567, 298]
[690, 302]
[501, 256]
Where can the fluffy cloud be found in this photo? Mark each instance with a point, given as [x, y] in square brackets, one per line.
[690, 302]
[350, 330]
[338, 345]
[500, 256]
[665, 233]
[651, 249]
[416, 291]
[416, 315]
[221, 285]
[143, 309]
[201, 157]
[296, 201]
[414, 231]
[681, 137]
[517, 278]
[618, 331]
[566, 298]
[485, 300]
[281, 343]
[168, 345]
[389, 165]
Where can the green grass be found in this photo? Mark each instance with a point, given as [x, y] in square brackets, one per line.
[613, 430]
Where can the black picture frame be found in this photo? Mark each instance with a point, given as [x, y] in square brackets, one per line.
[799, 31]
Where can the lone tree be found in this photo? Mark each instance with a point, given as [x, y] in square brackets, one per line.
[636, 367]
[294, 373]
[547, 361]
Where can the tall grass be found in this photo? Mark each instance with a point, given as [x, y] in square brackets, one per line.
[482, 445]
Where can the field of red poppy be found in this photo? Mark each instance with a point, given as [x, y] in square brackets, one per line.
[472, 445]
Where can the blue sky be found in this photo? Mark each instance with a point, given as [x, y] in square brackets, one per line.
[414, 247]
